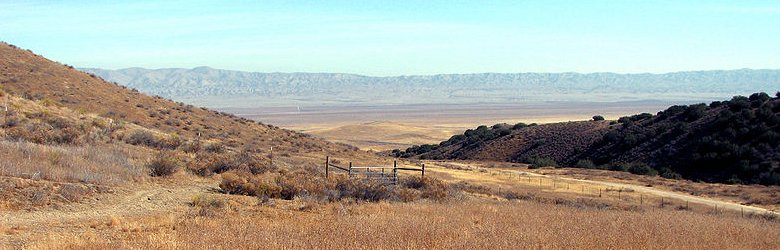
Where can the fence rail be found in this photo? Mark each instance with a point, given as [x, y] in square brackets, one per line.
[372, 172]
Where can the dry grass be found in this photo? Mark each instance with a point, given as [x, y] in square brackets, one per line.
[475, 224]
[96, 164]
[381, 136]
[763, 196]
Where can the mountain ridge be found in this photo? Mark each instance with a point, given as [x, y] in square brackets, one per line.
[203, 82]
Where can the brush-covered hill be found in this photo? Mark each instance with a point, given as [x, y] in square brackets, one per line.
[734, 141]
[27, 76]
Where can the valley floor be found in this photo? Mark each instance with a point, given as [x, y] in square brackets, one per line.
[504, 207]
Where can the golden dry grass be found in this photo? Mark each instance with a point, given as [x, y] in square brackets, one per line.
[380, 136]
[106, 164]
[472, 224]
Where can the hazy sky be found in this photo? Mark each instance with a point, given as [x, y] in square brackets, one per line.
[400, 37]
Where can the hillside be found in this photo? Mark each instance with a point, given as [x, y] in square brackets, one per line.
[735, 141]
[33, 77]
[209, 86]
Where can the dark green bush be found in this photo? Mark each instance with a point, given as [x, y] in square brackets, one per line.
[584, 164]
[540, 162]
[642, 169]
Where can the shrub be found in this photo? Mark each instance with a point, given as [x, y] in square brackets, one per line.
[240, 182]
[584, 164]
[301, 183]
[541, 162]
[142, 137]
[519, 125]
[619, 167]
[642, 169]
[208, 205]
[598, 118]
[429, 188]
[215, 147]
[163, 164]
[669, 174]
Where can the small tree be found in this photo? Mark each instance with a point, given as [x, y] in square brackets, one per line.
[598, 118]
[540, 162]
[585, 164]
[642, 169]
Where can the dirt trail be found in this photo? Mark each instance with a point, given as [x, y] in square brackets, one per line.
[637, 188]
[147, 199]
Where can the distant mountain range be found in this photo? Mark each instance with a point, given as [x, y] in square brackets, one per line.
[223, 88]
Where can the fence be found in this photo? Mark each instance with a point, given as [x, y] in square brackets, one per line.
[372, 173]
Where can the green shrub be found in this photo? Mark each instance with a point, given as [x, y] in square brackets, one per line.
[584, 164]
[519, 125]
[642, 169]
[598, 118]
[541, 162]
[619, 167]
[669, 174]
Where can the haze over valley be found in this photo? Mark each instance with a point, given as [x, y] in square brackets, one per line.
[226, 88]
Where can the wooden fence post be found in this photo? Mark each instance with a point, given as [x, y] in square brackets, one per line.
[641, 199]
[423, 170]
[350, 168]
[395, 172]
[327, 161]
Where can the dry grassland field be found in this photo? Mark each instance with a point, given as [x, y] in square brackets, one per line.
[497, 209]
[100, 196]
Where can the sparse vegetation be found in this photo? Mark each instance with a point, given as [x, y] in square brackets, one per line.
[164, 164]
[291, 184]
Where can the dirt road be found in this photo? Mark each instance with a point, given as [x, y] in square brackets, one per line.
[490, 173]
[139, 200]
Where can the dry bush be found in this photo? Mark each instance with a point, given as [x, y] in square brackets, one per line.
[74, 193]
[301, 183]
[244, 183]
[206, 164]
[142, 137]
[215, 147]
[430, 188]
[165, 163]
[208, 205]
[43, 133]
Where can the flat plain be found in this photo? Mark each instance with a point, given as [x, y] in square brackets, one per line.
[386, 127]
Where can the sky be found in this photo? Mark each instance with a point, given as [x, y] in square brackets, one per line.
[387, 38]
